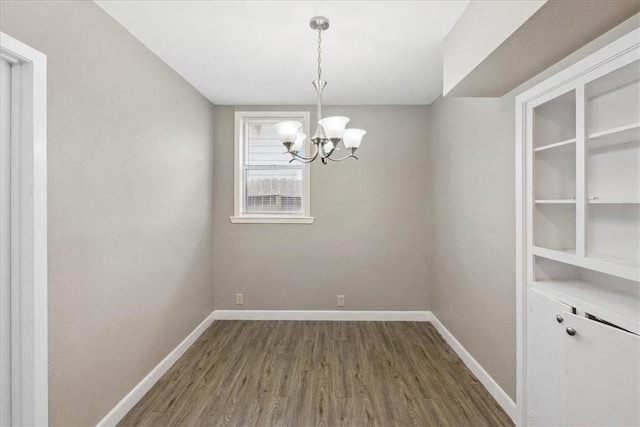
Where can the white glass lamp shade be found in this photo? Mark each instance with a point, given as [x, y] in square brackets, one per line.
[334, 126]
[353, 137]
[288, 130]
[298, 144]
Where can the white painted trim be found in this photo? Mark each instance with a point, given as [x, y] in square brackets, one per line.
[261, 219]
[237, 217]
[503, 399]
[330, 315]
[129, 401]
[520, 212]
[29, 346]
[581, 173]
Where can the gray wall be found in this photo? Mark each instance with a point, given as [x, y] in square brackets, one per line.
[130, 200]
[473, 248]
[369, 237]
[472, 239]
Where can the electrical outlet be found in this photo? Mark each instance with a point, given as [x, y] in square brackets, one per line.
[239, 299]
[340, 300]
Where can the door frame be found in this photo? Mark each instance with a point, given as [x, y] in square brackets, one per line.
[29, 346]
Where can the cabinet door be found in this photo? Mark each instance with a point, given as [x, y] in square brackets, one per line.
[545, 360]
[602, 375]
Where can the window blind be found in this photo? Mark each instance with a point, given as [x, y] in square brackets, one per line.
[272, 185]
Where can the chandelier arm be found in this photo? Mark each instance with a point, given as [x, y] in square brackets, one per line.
[301, 161]
[344, 158]
[324, 154]
[351, 151]
[295, 156]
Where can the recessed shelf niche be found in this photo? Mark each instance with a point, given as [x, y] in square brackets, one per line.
[613, 233]
[555, 174]
[613, 171]
[555, 121]
[555, 226]
[613, 100]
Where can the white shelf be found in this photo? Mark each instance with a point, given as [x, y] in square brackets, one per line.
[614, 201]
[553, 253]
[615, 136]
[606, 303]
[555, 201]
[612, 259]
[615, 266]
[567, 145]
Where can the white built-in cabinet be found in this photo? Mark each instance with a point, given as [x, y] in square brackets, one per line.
[578, 195]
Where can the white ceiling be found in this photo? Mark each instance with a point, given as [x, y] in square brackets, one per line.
[264, 53]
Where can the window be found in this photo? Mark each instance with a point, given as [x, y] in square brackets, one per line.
[269, 189]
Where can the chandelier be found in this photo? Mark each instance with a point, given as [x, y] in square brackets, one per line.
[330, 131]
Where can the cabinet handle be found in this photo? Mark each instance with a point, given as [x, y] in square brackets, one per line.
[559, 319]
[571, 331]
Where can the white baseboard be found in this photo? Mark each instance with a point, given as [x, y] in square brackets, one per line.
[503, 399]
[129, 401]
[134, 396]
[334, 315]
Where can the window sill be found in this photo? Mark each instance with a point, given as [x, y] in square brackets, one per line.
[271, 219]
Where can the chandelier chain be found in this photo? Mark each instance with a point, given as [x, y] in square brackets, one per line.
[319, 54]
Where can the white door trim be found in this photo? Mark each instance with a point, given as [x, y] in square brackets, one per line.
[29, 348]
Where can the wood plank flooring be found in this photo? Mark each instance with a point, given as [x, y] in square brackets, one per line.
[288, 373]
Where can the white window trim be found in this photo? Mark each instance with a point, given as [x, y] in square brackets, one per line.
[240, 218]
[29, 351]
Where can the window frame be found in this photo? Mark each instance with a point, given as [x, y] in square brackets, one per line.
[240, 217]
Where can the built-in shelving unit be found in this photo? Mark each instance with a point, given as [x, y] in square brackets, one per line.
[580, 188]
[585, 151]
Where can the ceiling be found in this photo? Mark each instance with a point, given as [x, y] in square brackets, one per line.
[264, 53]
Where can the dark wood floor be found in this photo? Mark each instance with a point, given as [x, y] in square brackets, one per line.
[254, 373]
